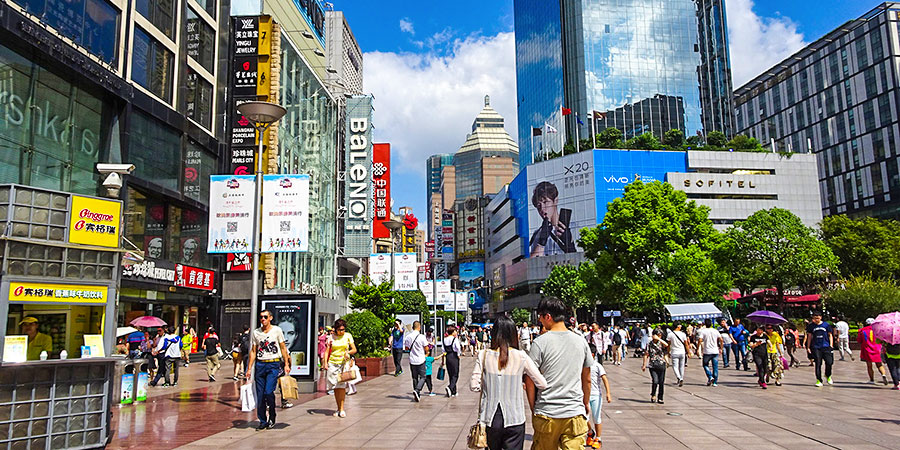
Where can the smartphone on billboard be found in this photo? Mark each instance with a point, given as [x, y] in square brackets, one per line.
[565, 216]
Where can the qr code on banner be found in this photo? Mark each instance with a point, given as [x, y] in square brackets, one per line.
[231, 227]
[285, 226]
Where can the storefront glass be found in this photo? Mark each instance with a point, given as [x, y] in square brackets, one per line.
[92, 24]
[52, 132]
[152, 65]
[155, 151]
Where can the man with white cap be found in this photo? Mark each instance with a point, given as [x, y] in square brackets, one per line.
[870, 351]
[37, 342]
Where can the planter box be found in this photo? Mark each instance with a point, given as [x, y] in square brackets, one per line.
[373, 367]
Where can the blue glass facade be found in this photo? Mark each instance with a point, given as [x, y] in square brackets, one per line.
[644, 65]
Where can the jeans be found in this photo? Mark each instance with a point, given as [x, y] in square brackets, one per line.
[429, 383]
[657, 379]
[452, 371]
[740, 354]
[678, 365]
[760, 361]
[500, 437]
[726, 349]
[171, 366]
[712, 374]
[266, 379]
[823, 354]
[894, 367]
[418, 376]
[398, 357]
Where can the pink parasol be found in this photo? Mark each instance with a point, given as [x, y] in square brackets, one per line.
[148, 321]
[887, 327]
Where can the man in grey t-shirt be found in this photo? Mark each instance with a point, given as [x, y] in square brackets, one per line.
[563, 357]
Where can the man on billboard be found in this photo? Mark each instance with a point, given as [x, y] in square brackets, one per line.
[554, 236]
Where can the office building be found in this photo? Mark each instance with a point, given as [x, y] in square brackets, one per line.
[837, 97]
[521, 251]
[434, 167]
[642, 65]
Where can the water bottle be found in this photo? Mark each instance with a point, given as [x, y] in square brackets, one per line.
[63, 354]
[43, 355]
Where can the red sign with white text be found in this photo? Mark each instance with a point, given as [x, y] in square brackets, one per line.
[194, 277]
[381, 181]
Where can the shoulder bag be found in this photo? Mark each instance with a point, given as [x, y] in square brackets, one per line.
[478, 433]
[348, 374]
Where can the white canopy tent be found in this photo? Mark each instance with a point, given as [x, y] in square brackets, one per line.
[693, 311]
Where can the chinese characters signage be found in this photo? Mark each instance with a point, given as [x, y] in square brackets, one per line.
[167, 273]
[94, 221]
[285, 221]
[381, 178]
[194, 277]
[57, 293]
[231, 213]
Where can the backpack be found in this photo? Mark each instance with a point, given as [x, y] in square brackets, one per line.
[789, 338]
[245, 342]
[617, 338]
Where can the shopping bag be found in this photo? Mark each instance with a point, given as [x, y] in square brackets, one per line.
[248, 398]
[784, 363]
[357, 376]
[289, 388]
[441, 373]
[347, 373]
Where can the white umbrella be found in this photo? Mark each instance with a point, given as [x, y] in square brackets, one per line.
[122, 331]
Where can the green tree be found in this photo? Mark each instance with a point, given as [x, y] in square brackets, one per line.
[379, 299]
[412, 302]
[610, 138]
[565, 283]
[861, 297]
[646, 141]
[693, 143]
[674, 139]
[867, 245]
[520, 315]
[745, 143]
[716, 139]
[653, 248]
[777, 249]
[369, 333]
[585, 144]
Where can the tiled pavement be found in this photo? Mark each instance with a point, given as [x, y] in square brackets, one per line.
[735, 415]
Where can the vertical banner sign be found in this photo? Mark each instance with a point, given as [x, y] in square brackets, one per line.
[285, 215]
[446, 244]
[379, 267]
[410, 223]
[231, 213]
[462, 300]
[405, 272]
[444, 295]
[381, 177]
[358, 180]
[427, 288]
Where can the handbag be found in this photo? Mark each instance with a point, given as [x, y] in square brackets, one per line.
[441, 372]
[477, 437]
[248, 397]
[784, 363]
[348, 374]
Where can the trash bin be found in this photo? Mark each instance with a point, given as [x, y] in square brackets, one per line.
[123, 382]
[142, 379]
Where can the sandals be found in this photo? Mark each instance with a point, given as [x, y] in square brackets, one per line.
[340, 414]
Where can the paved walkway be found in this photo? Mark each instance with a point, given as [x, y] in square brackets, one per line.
[735, 415]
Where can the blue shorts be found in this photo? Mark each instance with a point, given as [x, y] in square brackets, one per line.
[596, 405]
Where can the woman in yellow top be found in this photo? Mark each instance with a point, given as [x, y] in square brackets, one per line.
[340, 348]
[775, 348]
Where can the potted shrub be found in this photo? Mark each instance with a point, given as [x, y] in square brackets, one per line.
[369, 335]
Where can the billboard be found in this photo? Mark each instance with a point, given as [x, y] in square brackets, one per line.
[294, 317]
[617, 168]
[469, 271]
[381, 178]
[285, 213]
[231, 213]
[379, 267]
[358, 182]
[406, 272]
[560, 193]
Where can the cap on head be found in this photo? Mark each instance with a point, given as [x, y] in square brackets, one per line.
[870, 321]
[28, 319]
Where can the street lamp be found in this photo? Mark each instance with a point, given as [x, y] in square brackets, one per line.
[433, 262]
[393, 226]
[262, 115]
[454, 280]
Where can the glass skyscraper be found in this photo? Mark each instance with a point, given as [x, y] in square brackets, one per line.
[642, 65]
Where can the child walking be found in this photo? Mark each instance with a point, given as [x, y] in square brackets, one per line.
[429, 360]
[598, 376]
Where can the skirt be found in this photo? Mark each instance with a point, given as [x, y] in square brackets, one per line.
[332, 376]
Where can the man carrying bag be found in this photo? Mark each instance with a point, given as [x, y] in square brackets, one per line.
[269, 360]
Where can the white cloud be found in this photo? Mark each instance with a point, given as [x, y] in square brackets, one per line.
[425, 103]
[406, 26]
[758, 43]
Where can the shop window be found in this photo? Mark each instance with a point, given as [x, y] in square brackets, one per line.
[208, 5]
[65, 325]
[201, 39]
[199, 99]
[166, 231]
[151, 65]
[198, 166]
[187, 236]
[161, 13]
[92, 24]
[155, 151]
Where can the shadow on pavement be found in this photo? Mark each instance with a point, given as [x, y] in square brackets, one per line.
[321, 412]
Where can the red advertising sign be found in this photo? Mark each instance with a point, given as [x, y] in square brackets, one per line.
[381, 180]
[194, 277]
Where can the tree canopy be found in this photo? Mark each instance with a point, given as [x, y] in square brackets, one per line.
[565, 283]
[774, 248]
[653, 248]
[520, 315]
[864, 246]
[861, 297]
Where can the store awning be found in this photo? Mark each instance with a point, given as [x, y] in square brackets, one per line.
[694, 311]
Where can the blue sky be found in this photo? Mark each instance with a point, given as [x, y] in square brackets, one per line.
[429, 63]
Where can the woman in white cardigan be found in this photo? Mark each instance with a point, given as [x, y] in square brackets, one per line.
[498, 376]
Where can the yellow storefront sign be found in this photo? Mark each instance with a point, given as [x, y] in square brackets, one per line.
[56, 293]
[94, 221]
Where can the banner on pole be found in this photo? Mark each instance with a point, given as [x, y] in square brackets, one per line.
[231, 213]
[405, 272]
[427, 286]
[285, 216]
[462, 300]
[379, 267]
[444, 295]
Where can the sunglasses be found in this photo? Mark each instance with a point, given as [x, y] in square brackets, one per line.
[264, 317]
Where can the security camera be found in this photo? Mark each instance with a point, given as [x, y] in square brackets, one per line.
[113, 181]
[122, 169]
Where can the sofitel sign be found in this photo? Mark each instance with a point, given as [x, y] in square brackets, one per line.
[740, 184]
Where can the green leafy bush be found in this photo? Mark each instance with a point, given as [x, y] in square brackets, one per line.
[368, 332]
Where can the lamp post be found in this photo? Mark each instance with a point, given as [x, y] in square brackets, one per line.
[393, 226]
[262, 115]
[433, 262]
[454, 280]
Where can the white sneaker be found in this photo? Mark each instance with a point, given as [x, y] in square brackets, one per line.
[448, 392]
